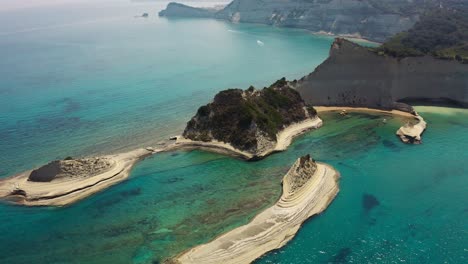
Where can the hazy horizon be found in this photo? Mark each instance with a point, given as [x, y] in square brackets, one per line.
[6, 5]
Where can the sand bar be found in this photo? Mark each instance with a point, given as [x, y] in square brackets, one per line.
[66, 191]
[408, 133]
[361, 109]
[305, 193]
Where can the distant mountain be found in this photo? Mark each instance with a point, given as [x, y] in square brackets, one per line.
[371, 19]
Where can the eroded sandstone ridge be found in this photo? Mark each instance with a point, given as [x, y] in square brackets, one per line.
[255, 122]
[308, 189]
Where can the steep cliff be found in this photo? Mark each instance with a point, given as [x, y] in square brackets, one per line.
[180, 10]
[249, 120]
[356, 76]
[371, 19]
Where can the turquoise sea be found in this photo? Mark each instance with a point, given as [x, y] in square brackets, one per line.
[87, 78]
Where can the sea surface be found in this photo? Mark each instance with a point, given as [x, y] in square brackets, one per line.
[88, 78]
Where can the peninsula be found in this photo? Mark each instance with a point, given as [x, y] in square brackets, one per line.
[248, 124]
[308, 188]
[374, 20]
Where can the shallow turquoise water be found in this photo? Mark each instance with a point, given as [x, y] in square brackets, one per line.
[92, 78]
[105, 81]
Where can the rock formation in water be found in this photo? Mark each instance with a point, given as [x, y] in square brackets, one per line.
[308, 189]
[70, 169]
[249, 120]
[371, 19]
[411, 132]
[359, 77]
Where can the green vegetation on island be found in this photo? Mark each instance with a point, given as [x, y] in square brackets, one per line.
[442, 33]
[239, 117]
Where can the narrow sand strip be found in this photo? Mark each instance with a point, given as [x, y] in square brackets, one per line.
[361, 109]
[62, 192]
[284, 138]
[408, 133]
[67, 191]
[303, 196]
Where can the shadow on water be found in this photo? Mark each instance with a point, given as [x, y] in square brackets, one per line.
[369, 202]
[341, 256]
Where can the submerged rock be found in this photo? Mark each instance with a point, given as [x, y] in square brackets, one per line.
[369, 201]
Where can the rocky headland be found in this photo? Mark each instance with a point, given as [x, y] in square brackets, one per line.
[250, 123]
[374, 20]
[308, 188]
[411, 132]
[357, 76]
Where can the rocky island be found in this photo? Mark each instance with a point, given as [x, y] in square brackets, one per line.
[308, 188]
[63, 182]
[251, 123]
[383, 82]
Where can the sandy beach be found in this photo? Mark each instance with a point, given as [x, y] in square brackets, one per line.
[321, 109]
[306, 193]
[284, 139]
[408, 133]
[67, 191]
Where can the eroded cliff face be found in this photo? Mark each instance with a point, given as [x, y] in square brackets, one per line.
[355, 76]
[371, 19]
[250, 119]
[180, 10]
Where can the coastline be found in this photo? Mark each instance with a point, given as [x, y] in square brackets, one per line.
[66, 192]
[284, 139]
[354, 38]
[275, 226]
[362, 109]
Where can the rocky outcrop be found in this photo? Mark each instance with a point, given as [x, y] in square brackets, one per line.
[180, 10]
[371, 19]
[249, 120]
[358, 77]
[411, 132]
[70, 168]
